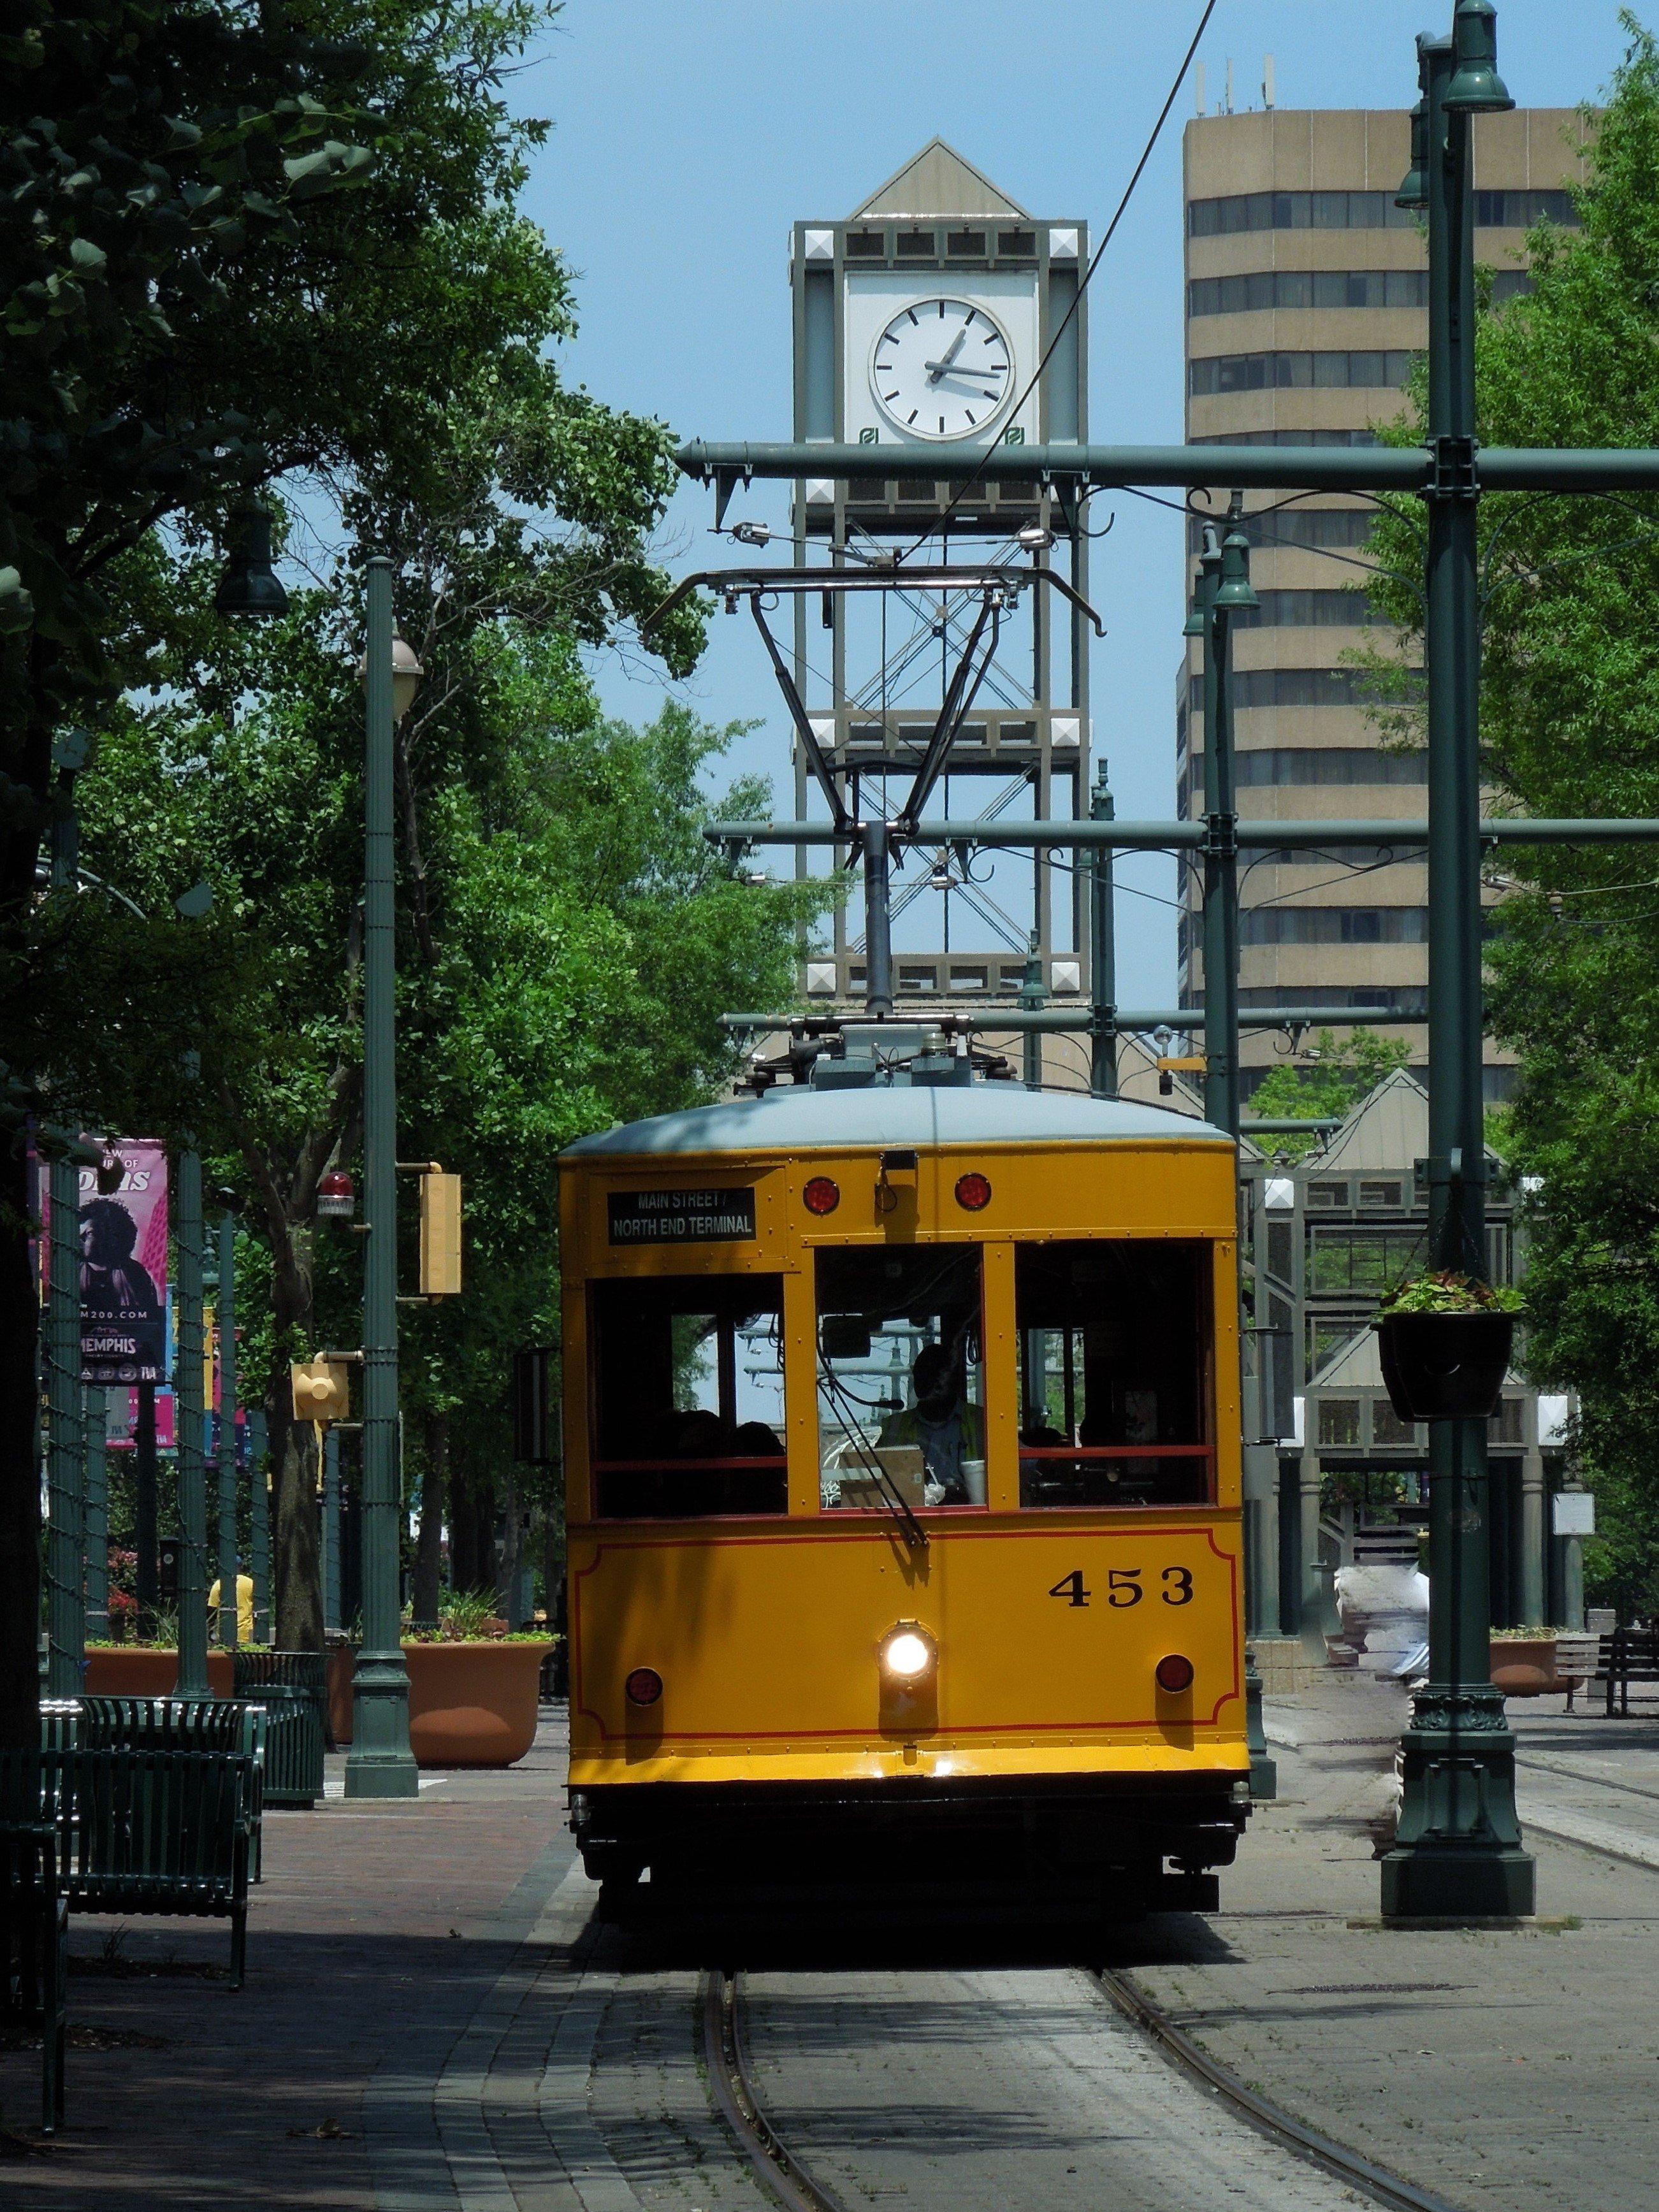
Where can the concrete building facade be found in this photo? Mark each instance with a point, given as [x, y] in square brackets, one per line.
[1305, 307]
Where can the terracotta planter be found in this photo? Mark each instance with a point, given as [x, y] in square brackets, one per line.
[473, 1704]
[1524, 1667]
[342, 1659]
[147, 1671]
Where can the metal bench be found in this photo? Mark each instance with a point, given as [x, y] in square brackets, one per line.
[34, 1948]
[1629, 1655]
[175, 1724]
[144, 1831]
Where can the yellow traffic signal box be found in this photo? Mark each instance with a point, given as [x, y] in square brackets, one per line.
[322, 1391]
[440, 1235]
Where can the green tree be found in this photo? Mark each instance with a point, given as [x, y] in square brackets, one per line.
[1327, 1086]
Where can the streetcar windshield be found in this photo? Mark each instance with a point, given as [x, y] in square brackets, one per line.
[1114, 1374]
[688, 1396]
[901, 1377]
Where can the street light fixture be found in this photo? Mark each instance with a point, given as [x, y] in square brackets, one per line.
[1476, 89]
[1413, 185]
[250, 585]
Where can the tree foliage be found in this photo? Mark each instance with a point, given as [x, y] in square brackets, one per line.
[1325, 1087]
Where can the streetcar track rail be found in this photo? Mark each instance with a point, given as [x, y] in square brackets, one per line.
[1263, 2114]
[779, 2170]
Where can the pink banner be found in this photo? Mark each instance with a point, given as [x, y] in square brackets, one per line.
[124, 1268]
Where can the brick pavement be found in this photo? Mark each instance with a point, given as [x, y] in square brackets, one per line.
[378, 1931]
[1519, 2069]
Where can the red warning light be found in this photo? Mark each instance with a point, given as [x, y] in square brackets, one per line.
[1174, 1673]
[973, 1193]
[821, 1196]
[644, 1686]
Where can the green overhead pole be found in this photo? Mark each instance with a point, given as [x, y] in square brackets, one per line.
[188, 1440]
[1032, 999]
[380, 1763]
[1223, 589]
[229, 1561]
[66, 1588]
[94, 1484]
[1458, 1851]
[1102, 949]
[259, 1522]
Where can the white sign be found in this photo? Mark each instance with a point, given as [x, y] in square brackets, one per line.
[1573, 1513]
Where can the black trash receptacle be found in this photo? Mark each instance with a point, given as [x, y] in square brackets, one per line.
[293, 1687]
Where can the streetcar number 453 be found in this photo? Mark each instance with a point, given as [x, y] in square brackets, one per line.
[1123, 1586]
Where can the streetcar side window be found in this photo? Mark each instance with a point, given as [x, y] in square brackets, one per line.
[1114, 1366]
[687, 1397]
[901, 1377]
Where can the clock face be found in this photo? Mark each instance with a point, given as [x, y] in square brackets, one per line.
[942, 368]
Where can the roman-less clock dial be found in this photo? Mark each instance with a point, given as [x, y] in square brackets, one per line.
[941, 368]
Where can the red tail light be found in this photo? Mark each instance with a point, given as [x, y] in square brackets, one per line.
[973, 1192]
[821, 1195]
[1174, 1673]
[643, 1685]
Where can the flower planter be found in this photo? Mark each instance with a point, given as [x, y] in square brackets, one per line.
[148, 1671]
[1444, 1366]
[473, 1704]
[1524, 1667]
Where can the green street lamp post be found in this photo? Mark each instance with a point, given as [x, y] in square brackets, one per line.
[228, 1562]
[188, 1425]
[94, 1486]
[1103, 949]
[66, 1624]
[380, 1763]
[1458, 1850]
[1033, 999]
[259, 1522]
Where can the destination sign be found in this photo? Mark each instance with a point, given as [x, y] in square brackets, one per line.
[681, 1217]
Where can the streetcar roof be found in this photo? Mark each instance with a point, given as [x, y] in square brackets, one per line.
[798, 1118]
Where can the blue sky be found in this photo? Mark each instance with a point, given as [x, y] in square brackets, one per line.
[690, 134]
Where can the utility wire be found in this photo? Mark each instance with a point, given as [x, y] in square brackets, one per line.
[968, 483]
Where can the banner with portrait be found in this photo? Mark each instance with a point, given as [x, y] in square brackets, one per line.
[124, 1268]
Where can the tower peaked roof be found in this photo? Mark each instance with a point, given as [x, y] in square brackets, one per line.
[937, 181]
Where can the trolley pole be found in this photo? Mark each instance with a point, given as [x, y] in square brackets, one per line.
[188, 1424]
[1103, 949]
[1458, 1850]
[877, 921]
[379, 1763]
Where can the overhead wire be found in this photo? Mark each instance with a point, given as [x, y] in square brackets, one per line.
[1061, 328]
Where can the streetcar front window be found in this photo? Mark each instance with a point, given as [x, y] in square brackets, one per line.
[687, 1397]
[901, 1377]
[1113, 1368]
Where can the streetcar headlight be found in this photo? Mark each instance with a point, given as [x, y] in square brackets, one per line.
[907, 1654]
[1174, 1673]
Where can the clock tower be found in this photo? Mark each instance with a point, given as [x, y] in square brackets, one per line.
[940, 315]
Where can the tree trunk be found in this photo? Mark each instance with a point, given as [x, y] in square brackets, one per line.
[429, 1550]
[20, 1472]
[297, 1560]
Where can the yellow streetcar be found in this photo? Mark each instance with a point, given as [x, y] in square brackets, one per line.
[902, 1438]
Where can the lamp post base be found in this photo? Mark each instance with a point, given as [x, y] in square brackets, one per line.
[380, 1763]
[1457, 1851]
[1264, 1771]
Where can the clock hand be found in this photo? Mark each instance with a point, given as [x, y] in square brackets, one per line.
[950, 353]
[946, 368]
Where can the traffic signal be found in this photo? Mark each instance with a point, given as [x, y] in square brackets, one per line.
[322, 1391]
[440, 1234]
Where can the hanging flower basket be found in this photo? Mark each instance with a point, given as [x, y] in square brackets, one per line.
[1444, 1343]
